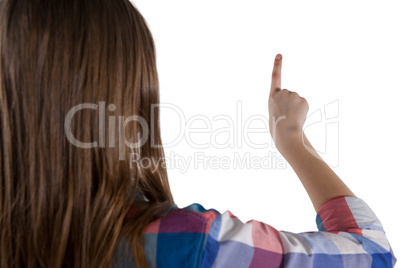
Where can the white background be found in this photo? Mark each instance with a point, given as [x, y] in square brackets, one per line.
[212, 54]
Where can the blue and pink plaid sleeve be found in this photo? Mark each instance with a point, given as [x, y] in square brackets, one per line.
[350, 235]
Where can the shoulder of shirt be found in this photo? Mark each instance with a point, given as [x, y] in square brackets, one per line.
[197, 208]
[193, 218]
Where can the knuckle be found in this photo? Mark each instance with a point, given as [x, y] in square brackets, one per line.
[274, 93]
[303, 100]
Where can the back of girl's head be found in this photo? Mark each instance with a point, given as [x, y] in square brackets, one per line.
[61, 203]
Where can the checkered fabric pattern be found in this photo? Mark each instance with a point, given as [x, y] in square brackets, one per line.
[349, 235]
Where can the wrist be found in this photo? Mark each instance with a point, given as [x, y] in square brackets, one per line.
[288, 142]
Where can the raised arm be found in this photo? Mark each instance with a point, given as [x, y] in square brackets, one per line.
[287, 114]
[347, 226]
[349, 233]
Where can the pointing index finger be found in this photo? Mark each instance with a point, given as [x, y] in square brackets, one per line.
[276, 75]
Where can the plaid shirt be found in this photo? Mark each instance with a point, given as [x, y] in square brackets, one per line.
[349, 235]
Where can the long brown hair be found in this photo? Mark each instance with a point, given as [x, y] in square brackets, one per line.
[62, 205]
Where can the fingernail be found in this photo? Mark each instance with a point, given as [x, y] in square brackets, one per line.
[278, 57]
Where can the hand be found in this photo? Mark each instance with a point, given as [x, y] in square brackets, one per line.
[287, 110]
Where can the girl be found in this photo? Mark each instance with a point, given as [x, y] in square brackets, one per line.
[68, 196]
